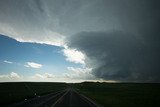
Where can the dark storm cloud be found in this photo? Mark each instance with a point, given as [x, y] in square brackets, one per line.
[127, 54]
[119, 56]
[69, 17]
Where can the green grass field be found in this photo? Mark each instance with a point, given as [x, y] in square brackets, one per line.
[122, 94]
[15, 92]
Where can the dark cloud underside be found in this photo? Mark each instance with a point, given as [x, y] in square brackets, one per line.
[127, 54]
[119, 56]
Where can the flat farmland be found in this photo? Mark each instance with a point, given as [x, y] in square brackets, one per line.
[122, 94]
[40, 94]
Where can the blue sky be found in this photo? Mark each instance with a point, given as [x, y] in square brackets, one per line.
[16, 56]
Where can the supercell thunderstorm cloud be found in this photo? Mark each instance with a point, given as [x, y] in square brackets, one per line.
[118, 56]
[127, 55]
[120, 39]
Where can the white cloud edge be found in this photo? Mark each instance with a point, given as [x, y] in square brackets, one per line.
[33, 65]
[79, 73]
[43, 76]
[73, 55]
[47, 36]
[10, 76]
[6, 61]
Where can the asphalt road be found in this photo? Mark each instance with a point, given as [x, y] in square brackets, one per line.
[72, 99]
[41, 101]
[65, 98]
